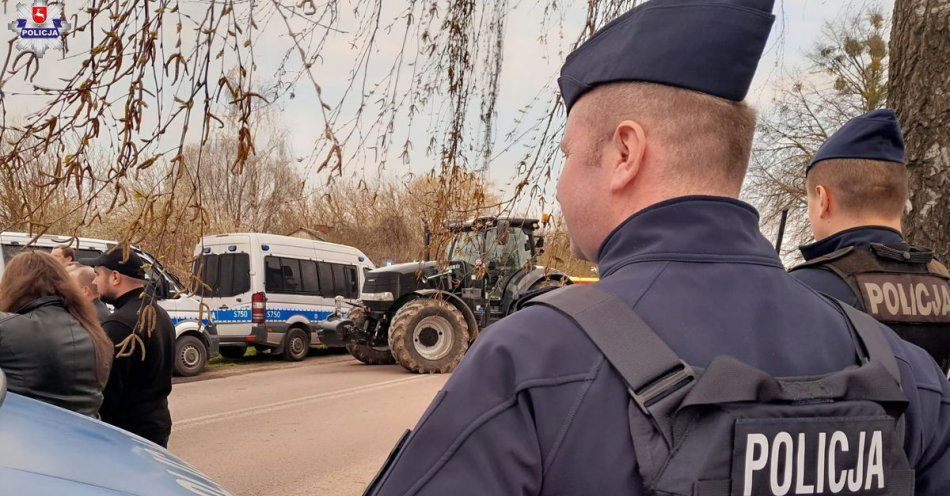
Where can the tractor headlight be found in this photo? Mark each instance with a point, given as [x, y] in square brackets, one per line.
[384, 296]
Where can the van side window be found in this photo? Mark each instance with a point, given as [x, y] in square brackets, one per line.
[339, 281]
[225, 275]
[325, 271]
[273, 276]
[290, 267]
[290, 275]
[308, 274]
[226, 272]
[352, 282]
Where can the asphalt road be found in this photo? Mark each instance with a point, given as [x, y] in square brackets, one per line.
[319, 427]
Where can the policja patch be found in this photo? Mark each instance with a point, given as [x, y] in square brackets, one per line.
[912, 298]
[813, 456]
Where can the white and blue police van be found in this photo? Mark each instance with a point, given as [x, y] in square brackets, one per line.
[269, 291]
[196, 340]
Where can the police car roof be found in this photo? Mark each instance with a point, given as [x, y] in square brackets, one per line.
[16, 237]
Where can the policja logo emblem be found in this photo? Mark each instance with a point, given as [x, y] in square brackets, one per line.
[39, 27]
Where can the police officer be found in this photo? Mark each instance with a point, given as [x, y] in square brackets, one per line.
[136, 396]
[857, 190]
[656, 148]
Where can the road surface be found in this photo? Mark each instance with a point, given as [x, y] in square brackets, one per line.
[319, 427]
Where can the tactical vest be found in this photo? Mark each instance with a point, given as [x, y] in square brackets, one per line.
[733, 430]
[903, 287]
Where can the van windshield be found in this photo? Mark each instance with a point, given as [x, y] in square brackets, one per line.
[159, 272]
[223, 275]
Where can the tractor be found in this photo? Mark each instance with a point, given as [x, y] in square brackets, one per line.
[424, 315]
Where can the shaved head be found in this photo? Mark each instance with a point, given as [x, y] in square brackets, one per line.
[846, 193]
[703, 141]
[631, 145]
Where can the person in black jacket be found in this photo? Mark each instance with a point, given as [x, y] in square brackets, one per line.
[136, 397]
[51, 345]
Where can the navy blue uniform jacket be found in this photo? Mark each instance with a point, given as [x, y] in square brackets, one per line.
[535, 409]
[827, 281]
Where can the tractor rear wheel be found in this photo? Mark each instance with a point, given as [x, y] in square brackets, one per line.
[428, 336]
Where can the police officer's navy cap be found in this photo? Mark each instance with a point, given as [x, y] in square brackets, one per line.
[115, 260]
[711, 46]
[875, 135]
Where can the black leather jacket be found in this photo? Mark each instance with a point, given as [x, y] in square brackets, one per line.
[47, 355]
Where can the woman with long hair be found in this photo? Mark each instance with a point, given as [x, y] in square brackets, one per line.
[52, 347]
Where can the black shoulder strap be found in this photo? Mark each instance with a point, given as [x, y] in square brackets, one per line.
[649, 367]
[817, 262]
[871, 337]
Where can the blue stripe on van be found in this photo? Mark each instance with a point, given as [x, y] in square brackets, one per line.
[273, 315]
[178, 320]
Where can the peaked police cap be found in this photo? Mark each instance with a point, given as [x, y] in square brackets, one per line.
[875, 135]
[711, 46]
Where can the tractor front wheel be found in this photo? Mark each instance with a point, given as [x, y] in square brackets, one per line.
[428, 336]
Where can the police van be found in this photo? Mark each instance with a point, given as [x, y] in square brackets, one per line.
[266, 290]
[196, 341]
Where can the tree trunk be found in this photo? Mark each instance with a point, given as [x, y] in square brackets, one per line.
[920, 93]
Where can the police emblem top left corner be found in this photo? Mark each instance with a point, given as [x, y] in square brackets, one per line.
[39, 26]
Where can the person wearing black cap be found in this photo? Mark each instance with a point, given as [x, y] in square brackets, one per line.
[857, 192]
[136, 396]
[648, 382]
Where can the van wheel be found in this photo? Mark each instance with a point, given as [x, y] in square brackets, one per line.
[233, 352]
[191, 356]
[428, 336]
[371, 355]
[296, 346]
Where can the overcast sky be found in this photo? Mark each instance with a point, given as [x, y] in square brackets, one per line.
[530, 69]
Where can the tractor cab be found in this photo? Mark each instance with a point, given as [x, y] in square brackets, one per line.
[493, 250]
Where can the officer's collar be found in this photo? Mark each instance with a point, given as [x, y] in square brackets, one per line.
[856, 236]
[689, 228]
[135, 294]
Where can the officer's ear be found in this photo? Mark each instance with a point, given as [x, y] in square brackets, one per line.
[629, 146]
[823, 199]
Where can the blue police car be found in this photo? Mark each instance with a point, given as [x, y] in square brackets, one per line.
[46, 450]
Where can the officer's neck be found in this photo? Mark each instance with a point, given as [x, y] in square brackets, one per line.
[830, 227]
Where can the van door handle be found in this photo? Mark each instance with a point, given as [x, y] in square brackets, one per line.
[223, 307]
